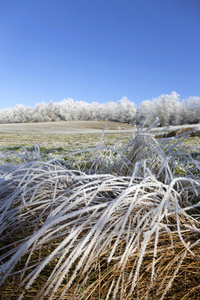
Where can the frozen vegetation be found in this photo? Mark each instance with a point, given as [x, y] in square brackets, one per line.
[109, 222]
[169, 109]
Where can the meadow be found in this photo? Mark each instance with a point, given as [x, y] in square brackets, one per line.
[88, 213]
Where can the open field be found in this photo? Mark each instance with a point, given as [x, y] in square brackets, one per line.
[118, 221]
[71, 127]
[51, 133]
[64, 127]
[57, 135]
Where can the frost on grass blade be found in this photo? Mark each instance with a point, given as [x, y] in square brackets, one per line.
[100, 217]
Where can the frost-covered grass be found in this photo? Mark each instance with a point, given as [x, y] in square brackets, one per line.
[107, 222]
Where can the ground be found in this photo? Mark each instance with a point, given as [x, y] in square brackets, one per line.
[69, 135]
[61, 137]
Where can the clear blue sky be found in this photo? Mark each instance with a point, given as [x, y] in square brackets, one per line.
[98, 50]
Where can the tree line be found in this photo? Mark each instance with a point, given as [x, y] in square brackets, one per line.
[169, 108]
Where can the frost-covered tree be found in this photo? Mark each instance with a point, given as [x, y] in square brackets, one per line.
[95, 109]
[70, 109]
[41, 113]
[125, 111]
[84, 111]
[191, 110]
[107, 111]
[65, 110]
[19, 114]
[145, 110]
[5, 115]
[168, 108]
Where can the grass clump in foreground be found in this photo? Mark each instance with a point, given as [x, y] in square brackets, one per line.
[110, 222]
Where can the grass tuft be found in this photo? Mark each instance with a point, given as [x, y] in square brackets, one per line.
[108, 222]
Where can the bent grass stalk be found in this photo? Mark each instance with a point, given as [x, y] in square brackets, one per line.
[101, 209]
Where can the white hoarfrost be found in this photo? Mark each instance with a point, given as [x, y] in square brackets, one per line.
[105, 204]
[169, 109]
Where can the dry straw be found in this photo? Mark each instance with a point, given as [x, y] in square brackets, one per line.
[103, 223]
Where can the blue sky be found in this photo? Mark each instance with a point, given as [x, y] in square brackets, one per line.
[98, 50]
